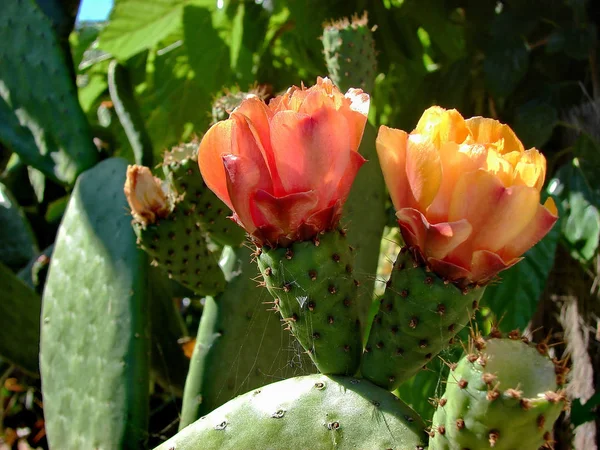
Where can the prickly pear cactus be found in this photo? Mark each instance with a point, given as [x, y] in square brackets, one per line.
[313, 288]
[504, 394]
[41, 119]
[20, 310]
[183, 174]
[238, 336]
[315, 411]
[17, 241]
[223, 105]
[350, 53]
[95, 344]
[418, 317]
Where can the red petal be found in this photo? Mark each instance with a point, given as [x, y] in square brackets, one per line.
[448, 270]
[486, 265]
[216, 142]
[345, 184]
[311, 152]
[244, 178]
[286, 213]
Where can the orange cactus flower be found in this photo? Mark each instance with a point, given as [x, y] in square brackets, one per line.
[466, 192]
[286, 168]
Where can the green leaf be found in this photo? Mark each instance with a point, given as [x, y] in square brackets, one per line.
[505, 64]
[534, 122]
[582, 413]
[136, 25]
[576, 42]
[515, 298]
[582, 226]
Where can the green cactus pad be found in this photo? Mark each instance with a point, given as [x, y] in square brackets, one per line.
[316, 412]
[365, 216]
[41, 118]
[19, 321]
[316, 293]
[17, 242]
[95, 340]
[179, 246]
[181, 170]
[502, 396]
[418, 317]
[350, 54]
[223, 105]
[167, 360]
[129, 114]
[240, 346]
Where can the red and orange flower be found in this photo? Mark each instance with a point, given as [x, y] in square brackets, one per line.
[286, 168]
[466, 192]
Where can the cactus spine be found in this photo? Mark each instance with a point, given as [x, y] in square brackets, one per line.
[419, 316]
[503, 394]
[314, 290]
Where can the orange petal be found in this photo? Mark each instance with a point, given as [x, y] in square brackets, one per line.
[244, 179]
[216, 142]
[490, 131]
[497, 165]
[485, 265]
[288, 212]
[449, 270]
[435, 240]
[545, 217]
[497, 214]
[412, 227]
[391, 150]
[531, 169]
[441, 125]
[311, 152]
[356, 114]
[345, 184]
[423, 170]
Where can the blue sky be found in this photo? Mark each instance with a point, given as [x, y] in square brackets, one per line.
[94, 9]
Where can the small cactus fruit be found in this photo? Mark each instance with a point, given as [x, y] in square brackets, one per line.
[419, 315]
[315, 292]
[350, 53]
[181, 170]
[316, 412]
[503, 395]
[171, 234]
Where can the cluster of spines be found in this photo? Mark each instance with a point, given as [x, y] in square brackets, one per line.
[318, 318]
[475, 354]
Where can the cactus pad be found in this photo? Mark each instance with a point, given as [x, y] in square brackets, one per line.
[350, 54]
[316, 412]
[94, 337]
[314, 290]
[20, 310]
[418, 317]
[502, 395]
[182, 172]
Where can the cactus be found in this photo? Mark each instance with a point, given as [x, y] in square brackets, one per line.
[171, 234]
[17, 241]
[350, 53]
[313, 411]
[35, 272]
[43, 122]
[226, 103]
[237, 336]
[129, 114]
[419, 316]
[19, 322]
[314, 290]
[503, 394]
[94, 338]
[183, 174]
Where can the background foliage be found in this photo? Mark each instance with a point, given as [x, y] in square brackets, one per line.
[530, 63]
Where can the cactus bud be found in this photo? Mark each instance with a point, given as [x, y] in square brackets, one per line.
[145, 195]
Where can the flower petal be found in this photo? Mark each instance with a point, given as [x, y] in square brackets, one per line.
[441, 125]
[485, 265]
[448, 270]
[244, 178]
[437, 240]
[423, 169]
[531, 169]
[345, 184]
[391, 150]
[311, 152]
[490, 131]
[216, 142]
[545, 217]
[288, 212]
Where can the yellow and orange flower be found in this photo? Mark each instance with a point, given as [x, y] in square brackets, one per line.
[285, 169]
[466, 193]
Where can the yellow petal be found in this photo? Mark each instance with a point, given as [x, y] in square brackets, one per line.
[531, 169]
[441, 125]
[490, 131]
[423, 169]
[391, 150]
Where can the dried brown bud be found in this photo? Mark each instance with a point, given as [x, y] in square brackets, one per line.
[145, 195]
